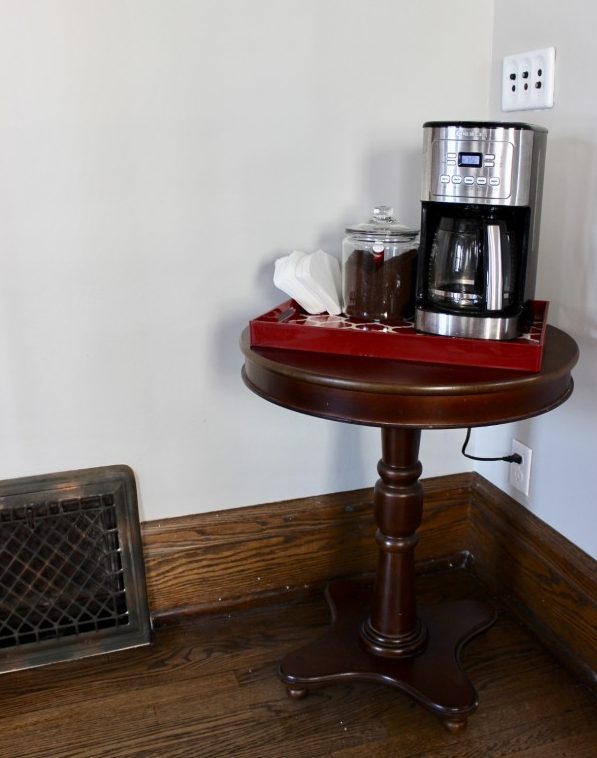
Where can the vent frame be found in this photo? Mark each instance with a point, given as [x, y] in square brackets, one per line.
[88, 521]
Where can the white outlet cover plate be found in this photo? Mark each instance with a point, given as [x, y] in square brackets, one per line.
[528, 80]
[520, 473]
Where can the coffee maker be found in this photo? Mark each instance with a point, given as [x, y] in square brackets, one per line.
[481, 205]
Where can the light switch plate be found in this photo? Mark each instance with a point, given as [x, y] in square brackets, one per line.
[528, 80]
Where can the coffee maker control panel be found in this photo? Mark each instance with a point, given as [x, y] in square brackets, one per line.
[480, 170]
[484, 166]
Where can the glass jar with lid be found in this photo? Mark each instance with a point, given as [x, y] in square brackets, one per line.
[379, 261]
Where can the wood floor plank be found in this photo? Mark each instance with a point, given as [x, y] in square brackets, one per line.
[207, 687]
[579, 746]
[512, 739]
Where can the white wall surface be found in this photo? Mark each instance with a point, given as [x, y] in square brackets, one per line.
[564, 442]
[155, 158]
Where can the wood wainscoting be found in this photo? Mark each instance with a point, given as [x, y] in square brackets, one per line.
[241, 557]
[548, 582]
[211, 562]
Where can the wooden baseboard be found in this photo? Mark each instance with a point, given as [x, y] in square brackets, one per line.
[211, 562]
[546, 580]
[245, 556]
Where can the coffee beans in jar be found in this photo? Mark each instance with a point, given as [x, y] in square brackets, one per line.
[379, 260]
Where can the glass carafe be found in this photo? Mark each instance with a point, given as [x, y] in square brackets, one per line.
[470, 265]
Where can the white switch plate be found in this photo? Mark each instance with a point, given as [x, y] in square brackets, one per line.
[528, 80]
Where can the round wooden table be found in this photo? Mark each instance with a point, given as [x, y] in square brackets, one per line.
[379, 634]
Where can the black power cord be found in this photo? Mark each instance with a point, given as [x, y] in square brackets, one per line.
[514, 458]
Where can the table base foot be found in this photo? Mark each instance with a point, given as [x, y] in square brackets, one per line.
[455, 725]
[433, 677]
[296, 693]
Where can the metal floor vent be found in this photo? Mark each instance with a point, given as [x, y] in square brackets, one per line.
[72, 579]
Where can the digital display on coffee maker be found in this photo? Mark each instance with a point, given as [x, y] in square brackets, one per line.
[471, 160]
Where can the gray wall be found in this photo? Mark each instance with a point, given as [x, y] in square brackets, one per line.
[564, 442]
[155, 158]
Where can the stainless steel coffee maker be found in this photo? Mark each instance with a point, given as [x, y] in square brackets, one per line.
[481, 203]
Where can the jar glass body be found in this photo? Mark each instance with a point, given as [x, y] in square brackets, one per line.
[379, 262]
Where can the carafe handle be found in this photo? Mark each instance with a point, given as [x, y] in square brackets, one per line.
[494, 283]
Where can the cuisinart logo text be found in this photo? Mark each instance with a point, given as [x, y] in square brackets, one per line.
[475, 133]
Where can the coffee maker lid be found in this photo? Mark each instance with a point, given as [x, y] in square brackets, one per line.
[383, 226]
[485, 125]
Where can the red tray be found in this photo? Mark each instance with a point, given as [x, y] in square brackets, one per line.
[289, 327]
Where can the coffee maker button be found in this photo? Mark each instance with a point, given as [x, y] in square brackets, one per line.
[451, 162]
[489, 164]
[494, 181]
[456, 179]
[469, 180]
[444, 179]
[451, 155]
[481, 180]
[489, 157]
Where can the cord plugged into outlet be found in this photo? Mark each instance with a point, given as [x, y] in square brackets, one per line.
[520, 473]
[528, 80]
[514, 458]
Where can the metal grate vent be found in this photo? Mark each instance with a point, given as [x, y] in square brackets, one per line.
[71, 567]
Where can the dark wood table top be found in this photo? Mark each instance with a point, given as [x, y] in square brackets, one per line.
[381, 392]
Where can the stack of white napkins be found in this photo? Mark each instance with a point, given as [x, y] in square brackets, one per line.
[312, 279]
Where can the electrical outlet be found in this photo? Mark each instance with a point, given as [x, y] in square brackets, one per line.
[528, 80]
[520, 473]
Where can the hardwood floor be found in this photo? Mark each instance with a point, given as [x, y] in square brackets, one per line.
[208, 687]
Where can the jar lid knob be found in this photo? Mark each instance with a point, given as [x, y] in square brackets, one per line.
[383, 213]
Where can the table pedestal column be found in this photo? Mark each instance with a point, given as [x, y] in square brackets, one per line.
[393, 628]
[377, 634]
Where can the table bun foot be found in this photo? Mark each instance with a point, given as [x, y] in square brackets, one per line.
[456, 724]
[296, 693]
